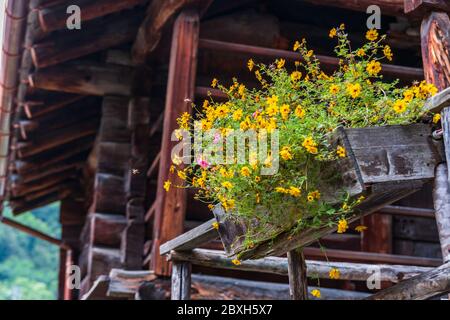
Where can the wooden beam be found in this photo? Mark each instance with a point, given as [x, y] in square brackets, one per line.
[435, 38]
[97, 36]
[38, 105]
[85, 78]
[388, 7]
[191, 239]
[378, 236]
[330, 63]
[298, 283]
[426, 5]
[55, 17]
[441, 197]
[315, 269]
[170, 213]
[437, 102]
[421, 287]
[408, 211]
[159, 13]
[56, 138]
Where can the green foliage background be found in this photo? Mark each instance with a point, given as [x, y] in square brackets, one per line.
[29, 266]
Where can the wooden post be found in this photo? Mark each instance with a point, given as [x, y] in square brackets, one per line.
[170, 211]
[181, 280]
[441, 198]
[298, 285]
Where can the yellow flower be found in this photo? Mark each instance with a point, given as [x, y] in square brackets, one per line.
[388, 52]
[360, 52]
[250, 64]
[241, 90]
[345, 206]
[310, 145]
[182, 175]
[436, 118]
[257, 179]
[258, 199]
[316, 293]
[299, 112]
[296, 75]
[341, 152]
[332, 33]
[210, 207]
[236, 262]
[408, 95]
[244, 125]
[245, 171]
[342, 226]
[214, 83]
[297, 63]
[315, 194]
[273, 100]
[296, 45]
[334, 89]
[172, 169]
[237, 115]
[354, 90]
[310, 198]
[167, 185]
[334, 273]
[215, 225]
[342, 26]
[309, 54]
[400, 106]
[373, 68]
[272, 110]
[360, 228]
[285, 109]
[372, 35]
[280, 63]
[227, 185]
[222, 110]
[205, 104]
[294, 191]
[281, 190]
[258, 75]
[285, 153]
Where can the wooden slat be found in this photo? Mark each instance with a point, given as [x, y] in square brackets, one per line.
[181, 280]
[408, 211]
[191, 239]
[298, 284]
[171, 208]
[441, 197]
[437, 102]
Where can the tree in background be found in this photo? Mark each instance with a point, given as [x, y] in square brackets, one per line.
[29, 266]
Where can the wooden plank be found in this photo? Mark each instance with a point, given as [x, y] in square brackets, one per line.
[421, 287]
[170, 213]
[408, 211]
[418, 229]
[298, 284]
[93, 37]
[441, 196]
[315, 269]
[388, 7]
[103, 230]
[378, 236]
[85, 78]
[409, 154]
[435, 48]
[191, 239]
[125, 283]
[437, 102]
[109, 194]
[181, 280]
[55, 17]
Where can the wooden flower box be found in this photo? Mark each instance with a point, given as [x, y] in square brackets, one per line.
[384, 164]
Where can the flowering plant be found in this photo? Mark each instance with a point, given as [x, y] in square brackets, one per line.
[302, 106]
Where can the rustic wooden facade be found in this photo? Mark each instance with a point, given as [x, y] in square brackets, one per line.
[86, 118]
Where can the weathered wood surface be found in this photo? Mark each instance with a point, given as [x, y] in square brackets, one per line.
[378, 235]
[421, 287]
[298, 283]
[103, 230]
[124, 283]
[169, 214]
[285, 241]
[441, 196]
[388, 7]
[437, 102]
[85, 79]
[55, 17]
[445, 122]
[109, 194]
[426, 5]
[128, 284]
[93, 37]
[435, 49]
[320, 269]
[191, 239]
[181, 280]
[394, 153]
[38, 105]
[101, 261]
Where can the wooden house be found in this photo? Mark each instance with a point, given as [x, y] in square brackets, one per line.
[87, 114]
